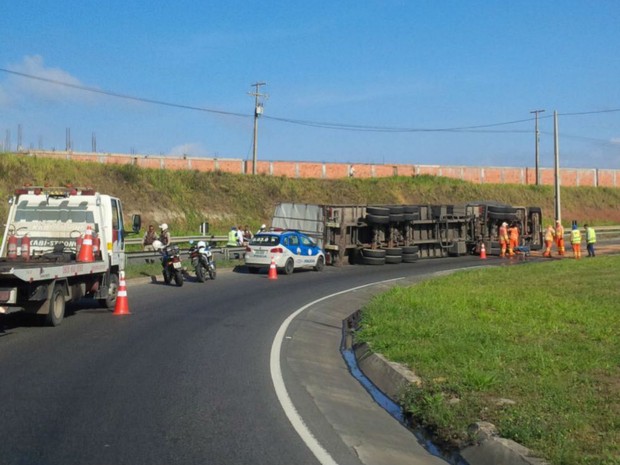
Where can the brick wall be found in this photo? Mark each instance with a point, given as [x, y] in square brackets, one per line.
[484, 175]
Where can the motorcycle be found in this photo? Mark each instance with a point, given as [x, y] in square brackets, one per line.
[172, 268]
[202, 261]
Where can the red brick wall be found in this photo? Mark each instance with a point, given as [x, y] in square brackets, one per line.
[486, 175]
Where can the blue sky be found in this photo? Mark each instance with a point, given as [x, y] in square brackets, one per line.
[388, 81]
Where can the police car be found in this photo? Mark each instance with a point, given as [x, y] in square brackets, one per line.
[289, 249]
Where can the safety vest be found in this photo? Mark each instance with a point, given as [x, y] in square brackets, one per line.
[575, 237]
[513, 233]
[590, 236]
[232, 238]
[549, 234]
[503, 233]
[559, 231]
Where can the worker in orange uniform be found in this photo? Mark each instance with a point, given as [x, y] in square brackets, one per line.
[549, 237]
[575, 240]
[503, 238]
[513, 239]
[559, 237]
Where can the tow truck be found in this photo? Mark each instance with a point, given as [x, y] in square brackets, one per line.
[40, 265]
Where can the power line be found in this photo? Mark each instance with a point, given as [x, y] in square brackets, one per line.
[482, 128]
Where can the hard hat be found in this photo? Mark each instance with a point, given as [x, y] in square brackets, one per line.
[504, 224]
[263, 226]
[557, 221]
[201, 244]
[163, 226]
[157, 245]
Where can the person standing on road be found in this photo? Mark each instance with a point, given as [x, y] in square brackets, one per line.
[503, 238]
[549, 237]
[164, 235]
[150, 236]
[559, 237]
[575, 240]
[590, 239]
[513, 239]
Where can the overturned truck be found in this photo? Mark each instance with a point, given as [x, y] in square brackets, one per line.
[378, 234]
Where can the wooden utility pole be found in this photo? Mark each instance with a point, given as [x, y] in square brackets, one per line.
[258, 110]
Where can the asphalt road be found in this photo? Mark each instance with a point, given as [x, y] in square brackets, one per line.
[184, 379]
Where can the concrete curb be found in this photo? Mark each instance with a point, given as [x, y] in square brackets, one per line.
[392, 379]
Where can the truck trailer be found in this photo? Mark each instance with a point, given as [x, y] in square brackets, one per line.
[41, 267]
[378, 234]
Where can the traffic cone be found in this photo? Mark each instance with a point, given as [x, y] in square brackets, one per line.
[86, 250]
[483, 252]
[273, 272]
[122, 305]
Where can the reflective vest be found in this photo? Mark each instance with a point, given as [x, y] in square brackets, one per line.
[232, 238]
[590, 236]
[575, 237]
[503, 233]
[559, 231]
[549, 234]
[513, 233]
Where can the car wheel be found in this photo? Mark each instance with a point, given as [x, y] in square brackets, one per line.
[320, 263]
[289, 267]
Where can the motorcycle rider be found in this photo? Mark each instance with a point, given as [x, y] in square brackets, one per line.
[164, 235]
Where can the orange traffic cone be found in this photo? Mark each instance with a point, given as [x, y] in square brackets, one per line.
[122, 305]
[483, 252]
[273, 272]
[86, 250]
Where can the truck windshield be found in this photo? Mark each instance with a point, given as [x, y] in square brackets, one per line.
[28, 212]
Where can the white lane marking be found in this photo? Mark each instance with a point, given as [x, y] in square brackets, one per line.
[278, 383]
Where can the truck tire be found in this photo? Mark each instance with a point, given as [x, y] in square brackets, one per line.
[178, 278]
[410, 249]
[393, 259]
[397, 217]
[411, 257]
[289, 266]
[373, 253]
[377, 219]
[373, 261]
[110, 301]
[393, 252]
[57, 307]
[378, 211]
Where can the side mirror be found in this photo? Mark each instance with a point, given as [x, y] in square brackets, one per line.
[137, 223]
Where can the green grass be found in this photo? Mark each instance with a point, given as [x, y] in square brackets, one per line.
[186, 198]
[544, 336]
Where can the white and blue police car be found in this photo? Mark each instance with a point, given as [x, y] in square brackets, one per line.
[289, 249]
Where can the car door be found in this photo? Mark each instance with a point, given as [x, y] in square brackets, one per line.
[309, 251]
[291, 242]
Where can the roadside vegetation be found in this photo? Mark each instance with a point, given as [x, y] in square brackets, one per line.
[184, 199]
[533, 349]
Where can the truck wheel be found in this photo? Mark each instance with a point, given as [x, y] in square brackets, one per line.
[373, 253]
[57, 307]
[373, 261]
[289, 267]
[320, 264]
[393, 259]
[110, 301]
[178, 278]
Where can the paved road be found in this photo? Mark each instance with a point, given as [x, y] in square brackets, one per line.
[187, 377]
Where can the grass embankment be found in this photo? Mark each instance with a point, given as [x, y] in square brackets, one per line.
[533, 349]
[186, 198]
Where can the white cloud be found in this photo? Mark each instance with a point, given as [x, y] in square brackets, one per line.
[45, 83]
[189, 149]
[615, 140]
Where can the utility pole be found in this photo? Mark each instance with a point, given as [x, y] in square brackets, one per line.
[258, 110]
[537, 141]
[556, 151]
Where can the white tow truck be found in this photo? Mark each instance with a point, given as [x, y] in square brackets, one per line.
[41, 267]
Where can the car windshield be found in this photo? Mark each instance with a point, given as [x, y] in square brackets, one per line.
[265, 239]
